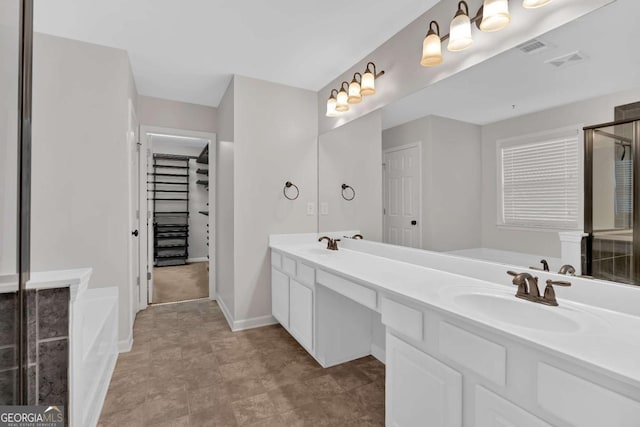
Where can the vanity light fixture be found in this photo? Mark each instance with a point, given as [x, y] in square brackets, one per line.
[368, 85]
[492, 16]
[495, 15]
[534, 4]
[460, 29]
[361, 85]
[355, 97]
[343, 99]
[331, 105]
[432, 46]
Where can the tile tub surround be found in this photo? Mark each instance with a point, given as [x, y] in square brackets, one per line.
[187, 368]
[8, 347]
[48, 346]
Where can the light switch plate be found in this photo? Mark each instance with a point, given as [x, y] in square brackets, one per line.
[324, 208]
[311, 208]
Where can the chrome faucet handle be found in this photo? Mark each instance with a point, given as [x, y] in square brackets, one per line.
[550, 294]
[335, 244]
[545, 264]
[357, 237]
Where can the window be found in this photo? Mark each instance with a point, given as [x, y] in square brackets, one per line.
[540, 181]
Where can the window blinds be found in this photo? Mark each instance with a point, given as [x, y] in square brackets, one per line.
[540, 184]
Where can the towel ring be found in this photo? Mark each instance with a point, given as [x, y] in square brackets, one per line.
[345, 187]
[288, 185]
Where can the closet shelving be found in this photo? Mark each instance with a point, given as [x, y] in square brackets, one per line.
[203, 159]
[169, 192]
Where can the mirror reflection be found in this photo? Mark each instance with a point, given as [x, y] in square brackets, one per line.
[489, 163]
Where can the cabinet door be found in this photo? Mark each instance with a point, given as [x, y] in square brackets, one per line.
[301, 314]
[494, 411]
[420, 390]
[280, 297]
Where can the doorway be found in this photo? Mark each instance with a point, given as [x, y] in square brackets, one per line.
[402, 195]
[179, 190]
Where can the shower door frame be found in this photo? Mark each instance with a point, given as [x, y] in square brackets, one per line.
[589, 132]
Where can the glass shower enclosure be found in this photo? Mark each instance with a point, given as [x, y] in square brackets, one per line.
[612, 207]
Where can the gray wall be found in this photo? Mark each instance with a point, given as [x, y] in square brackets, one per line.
[352, 154]
[80, 201]
[176, 115]
[224, 254]
[451, 177]
[275, 140]
[588, 112]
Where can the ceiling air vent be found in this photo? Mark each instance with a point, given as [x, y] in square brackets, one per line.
[533, 46]
[566, 60]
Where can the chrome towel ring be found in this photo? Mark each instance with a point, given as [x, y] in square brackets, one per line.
[346, 187]
[288, 185]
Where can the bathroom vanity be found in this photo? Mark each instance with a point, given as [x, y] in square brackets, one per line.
[460, 351]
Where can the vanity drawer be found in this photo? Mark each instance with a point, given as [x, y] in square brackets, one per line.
[276, 259]
[582, 403]
[306, 274]
[475, 353]
[406, 320]
[289, 265]
[358, 293]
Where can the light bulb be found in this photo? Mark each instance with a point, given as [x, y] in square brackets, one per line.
[354, 91]
[342, 104]
[432, 47]
[368, 86]
[460, 31]
[331, 107]
[495, 15]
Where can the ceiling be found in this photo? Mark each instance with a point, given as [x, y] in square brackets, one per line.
[515, 83]
[187, 50]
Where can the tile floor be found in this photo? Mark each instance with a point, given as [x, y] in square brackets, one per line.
[187, 368]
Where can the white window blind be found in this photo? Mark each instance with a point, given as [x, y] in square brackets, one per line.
[540, 183]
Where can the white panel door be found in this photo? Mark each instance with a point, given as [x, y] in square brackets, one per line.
[494, 411]
[402, 207]
[301, 313]
[420, 391]
[280, 297]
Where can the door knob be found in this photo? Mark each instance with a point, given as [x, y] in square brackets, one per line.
[414, 222]
[134, 233]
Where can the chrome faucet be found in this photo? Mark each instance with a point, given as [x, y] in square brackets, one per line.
[332, 244]
[528, 288]
[357, 237]
[567, 269]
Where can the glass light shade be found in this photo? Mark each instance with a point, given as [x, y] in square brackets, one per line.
[431, 51]
[533, 4]
[342, 103]
[495, 15]
[368, 86]
[354, 93]
[331, 107]
[460, 33]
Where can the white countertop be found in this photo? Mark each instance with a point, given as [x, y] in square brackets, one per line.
[607, 341]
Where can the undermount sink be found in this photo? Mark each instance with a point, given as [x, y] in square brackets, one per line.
[517, 312]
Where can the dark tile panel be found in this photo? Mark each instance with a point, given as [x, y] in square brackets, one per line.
[8, 381]
[8, 319]
[8, 356]
[32, 327]
[53, 357]
[53, 313]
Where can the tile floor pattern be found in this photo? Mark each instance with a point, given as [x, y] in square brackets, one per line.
[187, 368]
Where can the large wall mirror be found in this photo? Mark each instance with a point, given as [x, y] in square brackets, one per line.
[489, 163]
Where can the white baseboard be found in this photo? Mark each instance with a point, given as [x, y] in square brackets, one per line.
[254, 322]
[244, 324]
[124, 346]
[225, 312]
[200, 259]
[378, 352]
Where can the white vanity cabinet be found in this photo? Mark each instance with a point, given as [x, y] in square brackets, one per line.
[292, 289]
[455, 373]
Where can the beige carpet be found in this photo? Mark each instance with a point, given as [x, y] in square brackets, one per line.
[180, 282]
